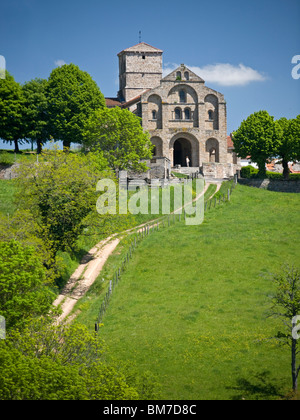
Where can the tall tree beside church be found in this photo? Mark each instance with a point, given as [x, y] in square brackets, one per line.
[12, 111]
[72, 96]
[36, 127]
[289, 147]
[119, 135]
[257, 137]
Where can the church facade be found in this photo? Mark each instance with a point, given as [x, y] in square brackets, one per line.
[187, 120]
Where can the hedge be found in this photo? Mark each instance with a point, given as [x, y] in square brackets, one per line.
[250, 172]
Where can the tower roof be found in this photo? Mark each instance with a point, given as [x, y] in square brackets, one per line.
[141, 47]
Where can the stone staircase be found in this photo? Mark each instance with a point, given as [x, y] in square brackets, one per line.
[186, 170]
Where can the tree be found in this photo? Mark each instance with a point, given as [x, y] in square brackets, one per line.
[46, 361]
[12, 111]
[72, 96]
[60, 192]
[286, 305]
[22, 226]
[257, 137]
[36, 127]
[289, 146]
[119, 134]
[23, 289]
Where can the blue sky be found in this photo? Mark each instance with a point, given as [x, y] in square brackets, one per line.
[243, 49]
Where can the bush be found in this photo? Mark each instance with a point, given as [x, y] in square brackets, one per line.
[6, 158]
[250, 172]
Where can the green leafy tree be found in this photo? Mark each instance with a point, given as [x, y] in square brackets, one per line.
[286, 305]
[36, 127]
[289, 145]
[119, 134]
[60, 192]
[257, 137]
[22, 226]
[12, 111]
[72, 96]
[49, 361]
[23, 289]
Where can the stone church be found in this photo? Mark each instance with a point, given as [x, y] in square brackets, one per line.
[186, 119]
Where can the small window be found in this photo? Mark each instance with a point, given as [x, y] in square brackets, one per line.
[178, 114]
[143, 57]
[154, 115]
[210, 115]
[178, 75]
[186, 75]
[187, 114]
[182, 96]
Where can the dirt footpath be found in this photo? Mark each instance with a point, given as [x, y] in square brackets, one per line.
[90, 268]
[85, 275]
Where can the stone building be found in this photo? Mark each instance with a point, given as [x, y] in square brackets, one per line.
[186, 120]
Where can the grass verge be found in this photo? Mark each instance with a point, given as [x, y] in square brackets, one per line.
[191, 306]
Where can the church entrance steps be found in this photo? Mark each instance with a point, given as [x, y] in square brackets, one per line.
[186, 170]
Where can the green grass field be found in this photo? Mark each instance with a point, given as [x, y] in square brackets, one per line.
[191, 307]
[7, 191]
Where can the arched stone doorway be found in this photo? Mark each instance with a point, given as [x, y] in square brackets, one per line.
[184, 145]
[212, 149]
[181, 151]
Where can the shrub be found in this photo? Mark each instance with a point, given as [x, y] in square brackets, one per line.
[250, 172]
[6, 158]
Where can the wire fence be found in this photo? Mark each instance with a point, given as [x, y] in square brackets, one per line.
[148, 229]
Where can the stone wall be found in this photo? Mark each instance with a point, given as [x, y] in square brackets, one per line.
[219, 170]
[159, 168]
[8, 171]
[289, 186]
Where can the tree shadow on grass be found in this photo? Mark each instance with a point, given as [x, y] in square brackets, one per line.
[261, 386]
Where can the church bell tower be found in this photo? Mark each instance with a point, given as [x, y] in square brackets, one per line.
[140, 68]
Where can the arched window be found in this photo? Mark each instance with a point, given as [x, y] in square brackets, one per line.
[210, 115]
[178, 114]
[187, 114]
[154, 115]
[178, 75]
[186, 75]
[182, 96]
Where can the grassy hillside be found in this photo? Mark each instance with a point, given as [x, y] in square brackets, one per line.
[191, 306]
[7, 191]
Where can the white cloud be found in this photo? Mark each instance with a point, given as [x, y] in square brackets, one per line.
[59, 63]
[223, 74]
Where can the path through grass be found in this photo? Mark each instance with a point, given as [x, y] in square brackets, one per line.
[191, 306]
